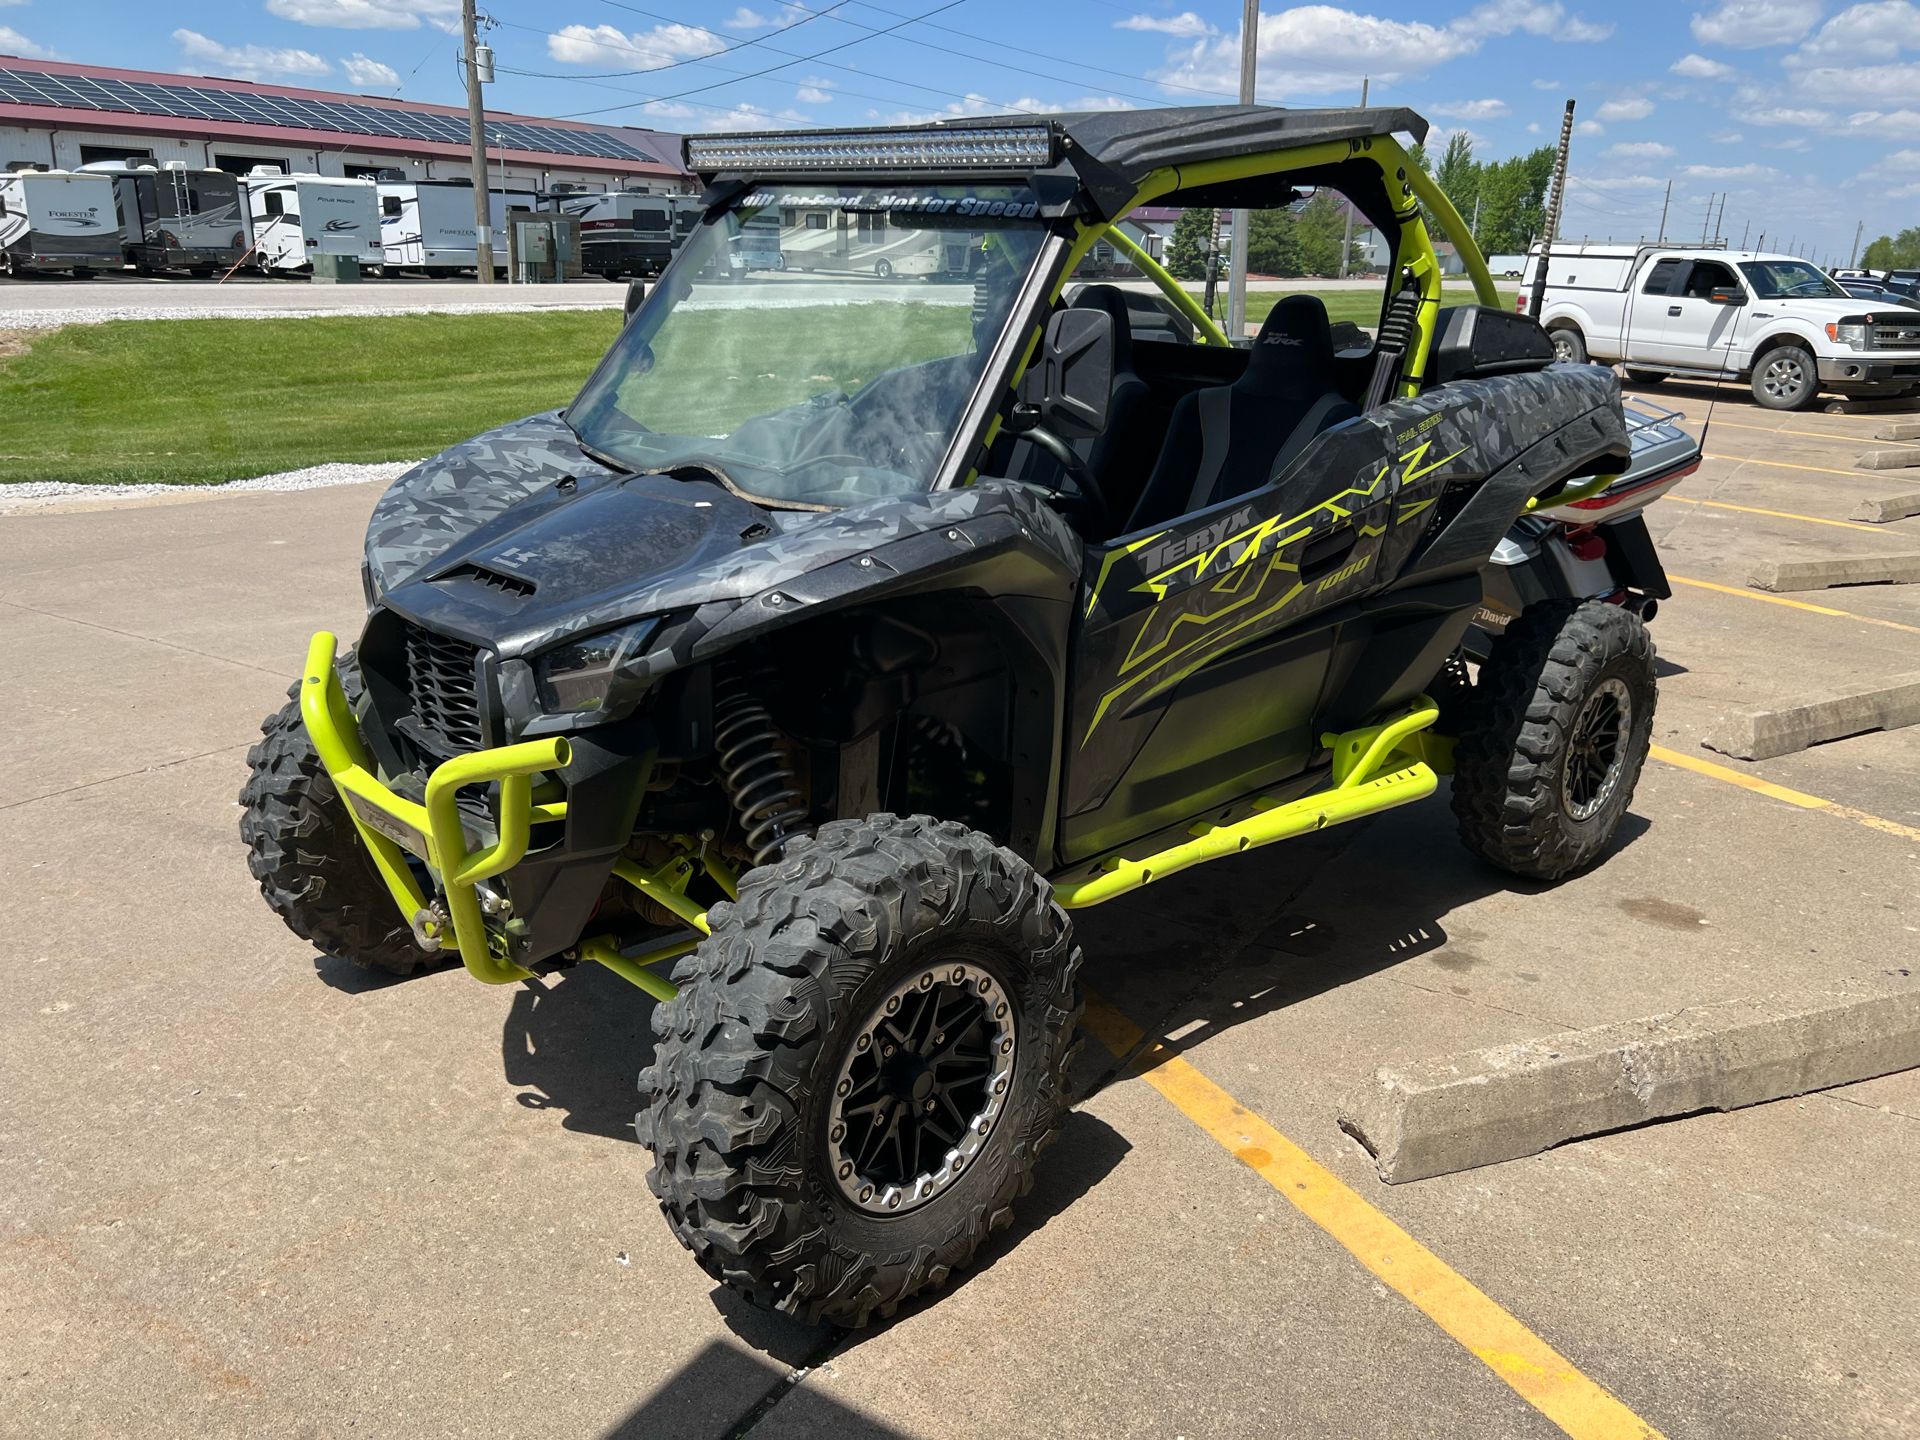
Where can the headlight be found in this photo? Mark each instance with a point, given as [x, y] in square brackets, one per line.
[1849, 334]
[595, 672]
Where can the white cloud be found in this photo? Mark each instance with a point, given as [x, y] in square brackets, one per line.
[12, 42]
[1184, 26]
[1641, 150]
[1879, 30]
[1750, 24]
[1749, 171]
[1629, 107]
[1888, 84]
[752, 117]
[1763, 114]
[1589, 127]
[745, 19]
[1903, 124]
[814, 91]
[1623, 182]
[1533, 127]
[366, 14]
[202, 56]
[1698, 67]
[1792, 142]
[365, 74]
[1546, 84]
[1471, 109]
[646, 50]
[1728, 137]
[1545, 18]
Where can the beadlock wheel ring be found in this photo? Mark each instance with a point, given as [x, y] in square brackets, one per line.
[923, 1086]
[1597, 749]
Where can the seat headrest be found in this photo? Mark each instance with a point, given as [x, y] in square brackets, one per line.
[1294, 347]
[1112, 300]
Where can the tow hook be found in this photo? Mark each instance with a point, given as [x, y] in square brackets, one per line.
[430, 922]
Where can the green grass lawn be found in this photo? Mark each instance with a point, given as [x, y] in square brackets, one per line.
[198, 401]
[1362, 307]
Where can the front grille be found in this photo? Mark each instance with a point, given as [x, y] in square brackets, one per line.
[440, 677]
[1894, 337]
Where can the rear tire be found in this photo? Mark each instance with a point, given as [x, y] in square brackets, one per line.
[1564, 720]
[1569, 346]
[1785, 378]
[866, 946]
[303, 848]
[884, 269]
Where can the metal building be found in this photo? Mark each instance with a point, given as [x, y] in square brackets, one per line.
[61, 116]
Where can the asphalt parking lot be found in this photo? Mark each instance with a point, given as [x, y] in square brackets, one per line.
[246, 1190]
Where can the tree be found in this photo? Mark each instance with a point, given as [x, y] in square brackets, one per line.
[1187, 250]
[1271, 248]
[1879, 255]
[1458, 176]
[1318, 228]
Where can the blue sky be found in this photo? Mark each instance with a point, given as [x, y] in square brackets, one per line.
[1804, 114]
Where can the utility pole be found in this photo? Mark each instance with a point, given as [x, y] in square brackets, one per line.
[1346, 243]
[1242, 226]
[1663, 214]
[1213, 263]
[1744, 229]
[1721, 216]
[1853, 255]
[1552, 230]
[477, 140]
[1706, 221]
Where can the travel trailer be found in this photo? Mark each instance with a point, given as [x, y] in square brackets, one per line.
[174, 218]
[428, 225]
[296, 217]
[56, 220]
[622, 232]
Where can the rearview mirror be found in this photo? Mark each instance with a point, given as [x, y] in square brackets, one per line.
[1726, 295]
[1069, 386]
[636, 292]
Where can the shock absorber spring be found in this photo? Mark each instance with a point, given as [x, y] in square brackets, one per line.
[758, 775]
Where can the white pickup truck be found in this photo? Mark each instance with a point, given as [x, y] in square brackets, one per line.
[1774, 321]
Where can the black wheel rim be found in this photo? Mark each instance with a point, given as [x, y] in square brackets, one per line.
[924, 1083]
[1597, 749]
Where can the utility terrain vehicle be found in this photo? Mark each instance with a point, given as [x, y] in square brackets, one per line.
[845, 634]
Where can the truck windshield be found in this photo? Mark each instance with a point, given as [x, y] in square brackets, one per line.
[1789, 280]
[816, 347]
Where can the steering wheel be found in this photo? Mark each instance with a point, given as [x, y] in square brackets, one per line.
[1077, 482]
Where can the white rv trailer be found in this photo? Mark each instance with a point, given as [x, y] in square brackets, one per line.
[174, 218]
[296, 217]
[863, 242]
[56, 220]
[428, 225]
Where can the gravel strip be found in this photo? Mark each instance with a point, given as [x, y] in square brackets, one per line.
[314, 477]
[54, 319]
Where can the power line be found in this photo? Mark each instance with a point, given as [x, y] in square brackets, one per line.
[757, 74]
[727, 46]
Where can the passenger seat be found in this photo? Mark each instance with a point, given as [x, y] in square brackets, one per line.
[1230, 439]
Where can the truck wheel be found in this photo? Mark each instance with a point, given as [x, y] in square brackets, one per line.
[1564, 721]
[863, 1062]
[1645, 377]
[883, 268]
[1785, 379]
[1569, 346]
[301, 846]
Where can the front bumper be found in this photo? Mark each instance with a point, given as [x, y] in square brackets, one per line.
[393, 827]
[1865, 373]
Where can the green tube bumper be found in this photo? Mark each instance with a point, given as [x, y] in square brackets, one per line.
[392, 826]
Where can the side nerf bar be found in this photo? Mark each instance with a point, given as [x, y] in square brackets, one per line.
[391, 826]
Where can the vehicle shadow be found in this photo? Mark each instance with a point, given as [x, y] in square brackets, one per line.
[576, 1042]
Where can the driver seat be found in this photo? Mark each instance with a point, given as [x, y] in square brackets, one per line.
[1122, 454]
[1227, 440]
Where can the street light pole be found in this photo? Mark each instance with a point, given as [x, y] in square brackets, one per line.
[1237, 268]
[477, 141]
[1346, 242]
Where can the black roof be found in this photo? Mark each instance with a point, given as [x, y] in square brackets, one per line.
[1117, 149]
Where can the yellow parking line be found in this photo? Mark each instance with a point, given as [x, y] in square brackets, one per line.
[1814, 434]
[1793, 604]
[1782, 793]
[1779, 514]
[1537, 1372]
[1783, 465]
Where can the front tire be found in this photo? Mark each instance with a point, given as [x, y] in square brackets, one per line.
[1562, 727]
[1646, 377]
[864, 1061]
[1785, 378]
[302, 847]
[884, 269]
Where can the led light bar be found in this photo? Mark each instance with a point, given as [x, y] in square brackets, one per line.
[939, 148]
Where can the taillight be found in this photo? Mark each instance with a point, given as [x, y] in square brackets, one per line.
[1520, 303]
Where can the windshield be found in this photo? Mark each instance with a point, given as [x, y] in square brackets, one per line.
[816, 348]
[1789, 280]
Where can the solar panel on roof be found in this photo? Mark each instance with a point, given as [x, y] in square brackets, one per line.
[194, 102]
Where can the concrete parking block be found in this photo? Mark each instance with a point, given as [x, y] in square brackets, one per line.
[1899, 430]
[1832, 570]
[1886, 459]
[1887, 507]
[1439, 1116]
[1763, 734]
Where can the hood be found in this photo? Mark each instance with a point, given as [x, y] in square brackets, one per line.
[517, 539]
